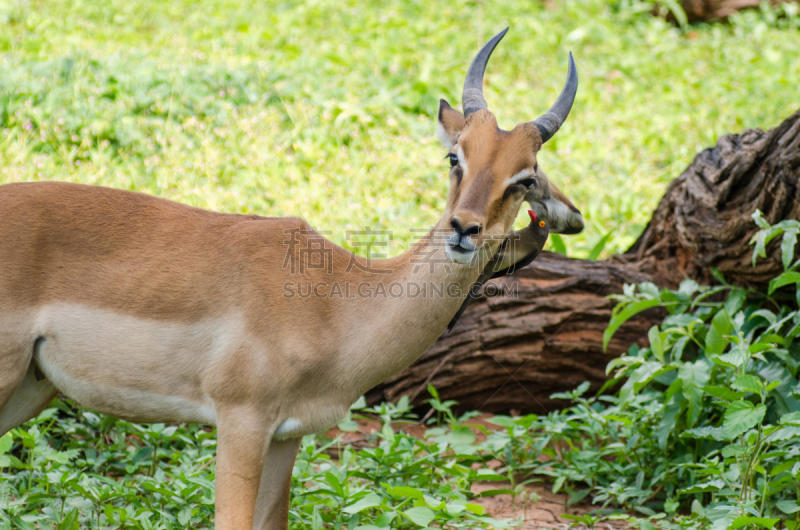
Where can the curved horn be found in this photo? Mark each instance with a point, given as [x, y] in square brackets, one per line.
[472, 97]
[550, 122]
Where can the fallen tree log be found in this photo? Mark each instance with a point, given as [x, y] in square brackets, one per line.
[539, 331]
[697, 10]
[704, 222]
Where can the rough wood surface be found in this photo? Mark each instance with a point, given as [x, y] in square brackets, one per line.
[703, 221]
[541, 333]
[513, 350]
[717, 9]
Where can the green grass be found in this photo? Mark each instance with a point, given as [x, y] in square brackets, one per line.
[326, 109]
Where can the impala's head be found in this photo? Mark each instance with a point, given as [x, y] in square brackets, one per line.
[493, 171]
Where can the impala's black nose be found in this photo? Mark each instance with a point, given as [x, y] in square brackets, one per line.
[471, 230]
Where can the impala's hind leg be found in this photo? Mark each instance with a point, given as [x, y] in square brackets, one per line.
[272, 504]
[24, 392]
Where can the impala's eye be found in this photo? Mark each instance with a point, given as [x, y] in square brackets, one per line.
[529, 182]
[453, 160]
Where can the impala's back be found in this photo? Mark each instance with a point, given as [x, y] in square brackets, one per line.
[123, 300]
[151, 310]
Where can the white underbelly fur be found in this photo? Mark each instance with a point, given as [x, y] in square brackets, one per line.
[150, 371]
[133, 368]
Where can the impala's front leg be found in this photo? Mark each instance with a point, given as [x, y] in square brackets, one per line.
[272, 506]
[243, 437]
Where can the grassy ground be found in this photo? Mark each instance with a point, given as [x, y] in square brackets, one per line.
[326, 109]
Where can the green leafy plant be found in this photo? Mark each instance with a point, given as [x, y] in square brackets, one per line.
[70, 468]
[707, 418]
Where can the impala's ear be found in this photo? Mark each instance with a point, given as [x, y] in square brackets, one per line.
[451, 123]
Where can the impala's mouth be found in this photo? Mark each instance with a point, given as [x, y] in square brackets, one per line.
[460, 253]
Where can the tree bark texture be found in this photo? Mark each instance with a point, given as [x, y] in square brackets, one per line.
[704, 219]
[697, 10]
[541, 329]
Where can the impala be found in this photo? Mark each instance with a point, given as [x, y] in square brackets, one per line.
[154, 311]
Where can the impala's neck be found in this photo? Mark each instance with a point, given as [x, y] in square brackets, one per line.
[407, 308]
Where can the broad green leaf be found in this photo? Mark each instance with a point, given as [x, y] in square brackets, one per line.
[678, 348]
[792, 418]
[503, 421]
[735, 301]
[369, 501]
[640, 377]
[760, 347]
[721, 516]
[387, 431]
[667, 422]
[723, 393]
[688, 287]
[477, 509]
[748, 383]
[721, 326]
[6, 441]
[766, 314]
[780, 468]
[784, 279]
[348, 426]
[706, 433]
[184, 516]
[742, 416]
[433, 503]
[385, 519]
[711, 485]
[334, 483]
[580, 518]
[141, 454]
[786, 432]
[736, 358]
[787, 247]
[758, 218]
[454, 508]
[624, 315]
[492, 493]
[695, 376]
[656, 343]
[732, 450]
[763, 522]
[649, 289]
[760, 250]
[316, 519]
[420, 515]
[404, 491]
[485, 475]
[788, 507]
[461, 435]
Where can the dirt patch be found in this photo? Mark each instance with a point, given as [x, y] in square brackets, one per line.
[542, 513]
